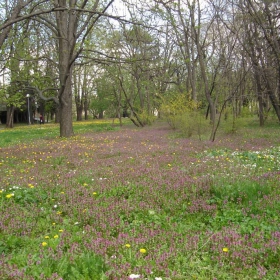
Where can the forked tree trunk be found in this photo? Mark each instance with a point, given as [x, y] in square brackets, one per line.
[202, 64]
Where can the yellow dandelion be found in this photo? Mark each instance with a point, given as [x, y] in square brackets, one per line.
[47, 237]
[143, 251]
[94, 193]
[9, 195]
[44, 244]
[56, 236]
[127, 245]
[61, 230]
[225, 249]
[85, 184]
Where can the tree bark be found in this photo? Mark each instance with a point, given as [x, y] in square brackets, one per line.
[67, 28]
[202, 65]
[10, 116]
[65, 110]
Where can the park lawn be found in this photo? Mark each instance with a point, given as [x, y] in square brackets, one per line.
[127, 203]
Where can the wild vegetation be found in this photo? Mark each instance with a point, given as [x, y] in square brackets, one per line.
[127, 203]
[128, 58]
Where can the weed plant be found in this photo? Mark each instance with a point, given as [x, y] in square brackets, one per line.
[133, 203]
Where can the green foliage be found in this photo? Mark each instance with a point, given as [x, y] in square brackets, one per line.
[183, 114]
[84, 266]
[99, 104]
[146, 117]
[247, 112]
[243, 192]
[12, 95]
[11, 244]
[191, 123]
[174, 105]
[232, 124]
[102, 100]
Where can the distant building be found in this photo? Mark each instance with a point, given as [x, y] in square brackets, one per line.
[19, 115]
[3, 113]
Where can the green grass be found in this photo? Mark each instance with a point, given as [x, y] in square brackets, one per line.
[83, 207]
[24, 134]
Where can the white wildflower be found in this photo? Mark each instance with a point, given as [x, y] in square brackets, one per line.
[134, 276]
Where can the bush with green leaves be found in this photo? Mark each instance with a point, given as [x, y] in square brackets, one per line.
[183, 114]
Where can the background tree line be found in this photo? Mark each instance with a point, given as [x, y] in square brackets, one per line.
[185, 60]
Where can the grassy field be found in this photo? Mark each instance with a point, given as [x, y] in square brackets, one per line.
[126, 203]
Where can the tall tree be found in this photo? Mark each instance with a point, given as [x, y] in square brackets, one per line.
[12, 11]
[70, 22]
[256, 26]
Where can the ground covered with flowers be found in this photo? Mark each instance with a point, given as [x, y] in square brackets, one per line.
[133, 203]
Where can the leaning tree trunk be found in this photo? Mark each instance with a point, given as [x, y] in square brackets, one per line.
[273, 99]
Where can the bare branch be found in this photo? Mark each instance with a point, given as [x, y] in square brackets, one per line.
[41, 93]
[21, 18]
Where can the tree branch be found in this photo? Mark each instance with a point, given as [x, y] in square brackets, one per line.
[21, 18]
[40, 93]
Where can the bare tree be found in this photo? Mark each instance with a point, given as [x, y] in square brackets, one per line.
[256, 26]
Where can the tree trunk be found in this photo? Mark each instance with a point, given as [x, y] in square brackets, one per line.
[65, 110]
[260, 98]
[67, 26]
[202, 64]
[10, 116]
[273, 100]
[100, 115]
[79, 109]
[86, 108]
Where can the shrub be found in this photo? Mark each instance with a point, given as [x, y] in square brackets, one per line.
[146, 118]
[183, 114]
